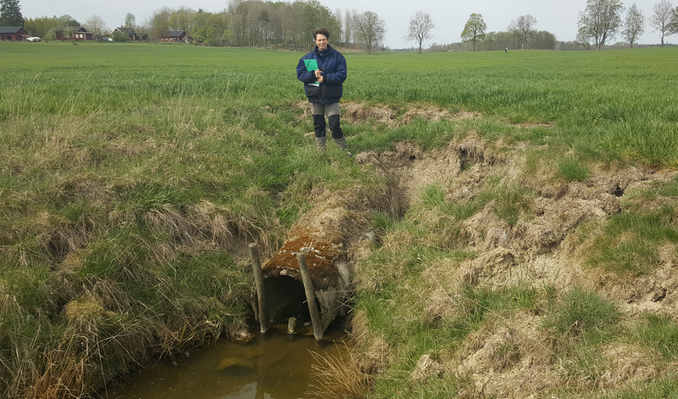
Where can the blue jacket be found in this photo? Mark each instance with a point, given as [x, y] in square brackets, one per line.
[333, 66]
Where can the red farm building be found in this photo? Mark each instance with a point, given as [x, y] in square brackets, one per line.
[13, 33]
[174, 36]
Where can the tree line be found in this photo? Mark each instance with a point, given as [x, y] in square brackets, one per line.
[251, 23]
[287, 25]
[598, 23]
[279, 25]
[602, 20]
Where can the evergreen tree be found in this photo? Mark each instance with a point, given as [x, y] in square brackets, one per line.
[10, 13]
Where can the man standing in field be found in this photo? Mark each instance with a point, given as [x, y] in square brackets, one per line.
[323, 72]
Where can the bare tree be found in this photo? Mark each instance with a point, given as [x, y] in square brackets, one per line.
[600, 21]
[660, 19]
[370, 29]
[96, 25]
[420, 28]
[523, 28]
[634, 24]
[340, 36]
[348, 27]
[474, 29]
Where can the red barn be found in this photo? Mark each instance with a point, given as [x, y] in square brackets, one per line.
[174, 36]
[13, 33]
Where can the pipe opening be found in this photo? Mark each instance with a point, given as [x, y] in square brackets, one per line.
[286, 298]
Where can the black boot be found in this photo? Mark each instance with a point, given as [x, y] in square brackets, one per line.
[335, 127]
[319, 125]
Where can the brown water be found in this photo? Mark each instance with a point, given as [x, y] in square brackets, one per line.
[272, 366]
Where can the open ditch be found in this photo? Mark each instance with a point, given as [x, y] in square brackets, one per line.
[540, 247]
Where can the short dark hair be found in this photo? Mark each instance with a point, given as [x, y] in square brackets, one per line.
[321, 31]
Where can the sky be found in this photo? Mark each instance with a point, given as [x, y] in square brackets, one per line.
[556, 16]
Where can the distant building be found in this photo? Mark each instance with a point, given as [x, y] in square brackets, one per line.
[174, 36]
[13, 33]
[73, 33]
[129, 32]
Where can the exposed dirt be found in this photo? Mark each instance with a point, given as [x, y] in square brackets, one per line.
[356, 113]
[538, 251]
[534, 251]
[511, 359]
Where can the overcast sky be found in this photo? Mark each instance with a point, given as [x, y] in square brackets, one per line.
[556, 16]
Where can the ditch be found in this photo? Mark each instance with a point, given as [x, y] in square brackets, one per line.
[272, 365]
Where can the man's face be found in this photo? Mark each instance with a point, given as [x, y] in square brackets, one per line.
[321, 42]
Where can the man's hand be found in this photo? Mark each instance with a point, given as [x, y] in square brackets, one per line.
[318, 73]
[321, 79]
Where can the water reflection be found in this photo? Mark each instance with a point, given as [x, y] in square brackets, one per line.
[272, 366]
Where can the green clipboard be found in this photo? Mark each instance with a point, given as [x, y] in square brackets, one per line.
[312, 65]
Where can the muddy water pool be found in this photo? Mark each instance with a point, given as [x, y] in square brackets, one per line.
[271, 366]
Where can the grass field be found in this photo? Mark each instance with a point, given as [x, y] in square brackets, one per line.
[133, 175]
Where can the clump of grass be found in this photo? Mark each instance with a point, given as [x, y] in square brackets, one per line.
[339, 377]
[462, 210]
[382, 222]
[581, 313]
[584, 366]
[475, 303]
[576, 326]
[630, 240]
[664, 189]
[660, 333]
[433, 195]
[572, 170]
[512, 201]
[288, 215]
[433, 198]
[666, 387]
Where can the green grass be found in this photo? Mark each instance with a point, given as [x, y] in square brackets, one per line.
[661, 334]
[581, 313]
[511, 202]
[433, 196]
[128, 169]
[572, 170]
[666, 387]
[659, 189]
[605, 102]
[630, 241]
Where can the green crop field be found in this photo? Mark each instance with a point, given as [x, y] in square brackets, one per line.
[133, 175]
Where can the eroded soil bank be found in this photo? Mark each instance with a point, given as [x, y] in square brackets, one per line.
[544, 245]
[536, 230]
[535, 249]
